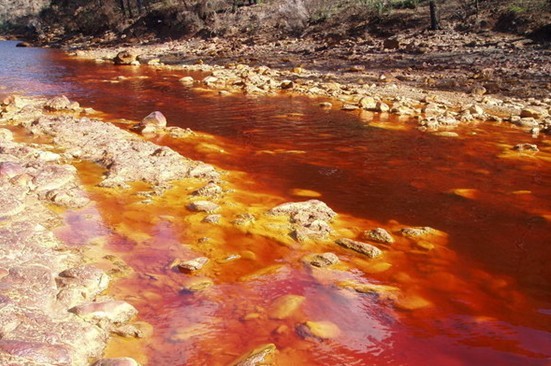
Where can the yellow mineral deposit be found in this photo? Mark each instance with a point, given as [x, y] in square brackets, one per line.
[371, 266]
[412, 302]
[267, 271]
[469, 193]
[304, 193]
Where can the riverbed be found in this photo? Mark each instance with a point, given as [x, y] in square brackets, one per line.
[483, 282]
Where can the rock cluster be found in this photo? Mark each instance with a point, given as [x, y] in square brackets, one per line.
[309, 219]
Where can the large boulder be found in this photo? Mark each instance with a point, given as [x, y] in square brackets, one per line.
[152, 122]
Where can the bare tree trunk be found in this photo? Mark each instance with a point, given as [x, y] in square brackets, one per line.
[123, 8]
[129, 9]
[434, 21]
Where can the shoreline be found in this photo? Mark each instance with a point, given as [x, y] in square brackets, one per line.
[352, 87]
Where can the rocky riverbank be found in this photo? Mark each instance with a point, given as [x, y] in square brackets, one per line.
[52, 307]
[437, 80]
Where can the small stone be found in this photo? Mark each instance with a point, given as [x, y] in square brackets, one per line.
[210, 80]
[321, 259]
[526, 147]
[211, 189]
[382, 291]
[360, 247]
[326, 105]
[6, 135]
[529, 122]
[178, 132]
[382, 107]
[286, 84]
[476, 109]
[379, 235]
[532, 112]
[129, 331]
[349, 107]
[192, 264]
[212, 219]
[478, 90]
[368, 103]
[203, 206]
[188, 80]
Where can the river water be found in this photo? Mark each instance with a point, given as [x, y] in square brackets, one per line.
[486, 284]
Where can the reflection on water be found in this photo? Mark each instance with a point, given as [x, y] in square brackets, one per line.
[477, 295]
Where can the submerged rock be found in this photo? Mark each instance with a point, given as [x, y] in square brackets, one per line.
[263, 355]
[197, 284]
[321, 259]
[203, 206]
[212, 219]
[360, 247]
[211, 189]
[383, 291]
[285, 306]
[319, 330]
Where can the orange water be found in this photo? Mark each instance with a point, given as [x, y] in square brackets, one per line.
[487, 280]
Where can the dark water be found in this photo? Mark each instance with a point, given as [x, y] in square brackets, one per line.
[491, 287]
